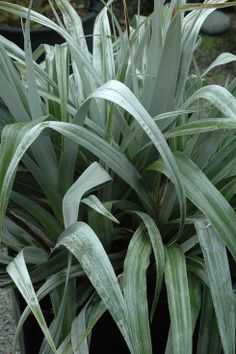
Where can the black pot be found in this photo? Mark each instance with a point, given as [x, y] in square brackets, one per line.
[44, 35]
[106, 337]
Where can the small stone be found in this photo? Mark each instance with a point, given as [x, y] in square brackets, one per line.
[216, 23]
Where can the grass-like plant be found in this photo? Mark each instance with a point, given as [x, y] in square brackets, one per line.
[119, 163]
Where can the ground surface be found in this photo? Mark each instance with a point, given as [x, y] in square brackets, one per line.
[212, 46]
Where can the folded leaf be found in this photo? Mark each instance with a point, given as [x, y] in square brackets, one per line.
[92, 177]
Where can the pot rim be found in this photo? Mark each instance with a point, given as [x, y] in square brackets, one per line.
[93, 10]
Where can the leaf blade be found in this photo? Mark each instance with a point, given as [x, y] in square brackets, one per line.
[92, 177]
[135, 292]
[178, 301]
[217, 267]
[19, 274]
[83, 243]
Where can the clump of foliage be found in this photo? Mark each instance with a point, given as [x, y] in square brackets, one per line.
[118, 161]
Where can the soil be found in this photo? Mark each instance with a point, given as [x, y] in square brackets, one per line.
[212, 46]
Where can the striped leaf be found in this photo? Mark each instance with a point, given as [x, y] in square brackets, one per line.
[218, 272]
[92, 177]
[93, 202]
[135, 292]
[203, 126]
[178, 300]
[18, 271]
[159, 253]
[208, 339]
[217, 95]
[14, 143]
[83, 243]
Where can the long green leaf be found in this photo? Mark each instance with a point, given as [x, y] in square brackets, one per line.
[159, 253]
[62, 71]
[33, 96]
[179, 301]
[103, 56]
[154, 51]
[135, 292]
[203, 126]
[13, 146]
[195, 301]
[92, 177]
[77, 329]
[208, 338]
[222, 59]
[11, 90]
[85, 321]
[83, 243]
[19, 274]
[217, 95]
[93, 202]
[162, 98]
[217, 267]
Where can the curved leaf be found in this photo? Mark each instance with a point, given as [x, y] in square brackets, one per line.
[92, 177]
[18, 271]
[178, 300]
[159, 253]
[93, 202]
[222, 59]
[221, 98]
[15, 141]
[83, 243]
[202, 126]
[208, 339]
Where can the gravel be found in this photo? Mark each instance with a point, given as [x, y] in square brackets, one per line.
[7, 322]
[7, 319]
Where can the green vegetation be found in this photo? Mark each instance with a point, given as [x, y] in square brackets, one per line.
[116, 163]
